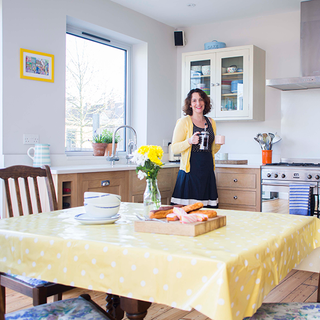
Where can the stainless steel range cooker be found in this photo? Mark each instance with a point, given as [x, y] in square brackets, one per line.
[276, 179]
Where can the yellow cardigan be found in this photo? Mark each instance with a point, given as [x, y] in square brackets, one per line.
[182, 132]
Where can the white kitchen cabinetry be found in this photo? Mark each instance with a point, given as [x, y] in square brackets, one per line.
[236, 95]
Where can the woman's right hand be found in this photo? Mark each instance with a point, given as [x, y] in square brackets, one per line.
[194, 139]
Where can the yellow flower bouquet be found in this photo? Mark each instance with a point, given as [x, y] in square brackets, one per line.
[148, 159]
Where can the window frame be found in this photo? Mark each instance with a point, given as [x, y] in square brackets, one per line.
[112, 42]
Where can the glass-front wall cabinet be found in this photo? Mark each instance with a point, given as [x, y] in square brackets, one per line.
[228, 77]
[232, 85]
[199, 74]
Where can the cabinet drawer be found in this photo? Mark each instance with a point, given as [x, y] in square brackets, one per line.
[240, 208]
[108, 182]
[236, 180]
[237, 197]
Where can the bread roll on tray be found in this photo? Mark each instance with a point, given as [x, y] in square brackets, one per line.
[164, 211]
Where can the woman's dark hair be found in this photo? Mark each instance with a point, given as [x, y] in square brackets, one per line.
[187, 102]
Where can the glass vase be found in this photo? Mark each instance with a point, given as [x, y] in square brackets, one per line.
[151, 197]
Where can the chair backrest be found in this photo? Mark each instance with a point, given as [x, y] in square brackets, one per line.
[25, 172]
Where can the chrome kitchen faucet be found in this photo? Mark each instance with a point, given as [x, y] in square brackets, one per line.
[132, 145]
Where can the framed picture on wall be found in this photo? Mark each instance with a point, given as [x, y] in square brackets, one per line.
[36, 65]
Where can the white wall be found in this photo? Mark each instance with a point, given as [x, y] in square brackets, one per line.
[279, 36]
[299, 124]
[38, 107]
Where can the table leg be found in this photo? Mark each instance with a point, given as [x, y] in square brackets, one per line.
[113, 306]
[135, 309]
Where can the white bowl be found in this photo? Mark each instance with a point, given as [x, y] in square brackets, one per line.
[101, 197]
[102, 211]
[232, 69]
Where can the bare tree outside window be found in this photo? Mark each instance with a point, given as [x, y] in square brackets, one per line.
[95, 91]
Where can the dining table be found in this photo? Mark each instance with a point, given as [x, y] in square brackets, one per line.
[224, 274]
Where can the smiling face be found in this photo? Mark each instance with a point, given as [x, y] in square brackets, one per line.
[197, 103]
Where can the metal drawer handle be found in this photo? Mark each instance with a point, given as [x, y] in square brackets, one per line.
[105, 183]
[235, 180]
[235, 197]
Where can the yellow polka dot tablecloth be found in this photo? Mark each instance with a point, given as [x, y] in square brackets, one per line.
[224, 274]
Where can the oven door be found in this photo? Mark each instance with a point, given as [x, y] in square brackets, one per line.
[275, 197]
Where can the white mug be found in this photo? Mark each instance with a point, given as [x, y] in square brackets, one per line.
[223, 156]
[41, 155]
[220, 139]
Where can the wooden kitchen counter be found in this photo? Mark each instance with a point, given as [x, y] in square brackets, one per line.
[238, 185]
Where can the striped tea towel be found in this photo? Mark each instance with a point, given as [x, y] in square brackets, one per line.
[299, 199]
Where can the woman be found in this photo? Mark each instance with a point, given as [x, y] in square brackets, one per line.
[196, 180]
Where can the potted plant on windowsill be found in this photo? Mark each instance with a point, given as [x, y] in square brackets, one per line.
[108, 139]
[99, 145]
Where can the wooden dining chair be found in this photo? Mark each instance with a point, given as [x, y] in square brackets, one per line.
[289, 311]
[18, 178]
[76, 308]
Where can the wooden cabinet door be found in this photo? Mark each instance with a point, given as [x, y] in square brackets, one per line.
[115, 182]
[166, 183]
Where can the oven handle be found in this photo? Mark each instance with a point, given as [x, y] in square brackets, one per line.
[281, 184]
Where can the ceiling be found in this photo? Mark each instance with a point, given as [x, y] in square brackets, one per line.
[186, 13]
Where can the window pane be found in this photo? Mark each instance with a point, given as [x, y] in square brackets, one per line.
[95, 91]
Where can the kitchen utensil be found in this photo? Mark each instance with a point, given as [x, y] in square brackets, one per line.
[223, 70]
[214, 44]
[41, 154]
[232, 69]
[265, 140]
[239, 70]
[276, 138]
[204, 140]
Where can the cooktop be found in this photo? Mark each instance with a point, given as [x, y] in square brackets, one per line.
[294, 164]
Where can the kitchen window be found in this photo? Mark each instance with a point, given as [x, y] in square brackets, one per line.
[96, 89]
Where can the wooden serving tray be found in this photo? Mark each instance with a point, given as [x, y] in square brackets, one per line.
[231, 161]
[180, 229]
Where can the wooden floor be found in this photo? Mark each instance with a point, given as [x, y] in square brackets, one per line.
[299, 286]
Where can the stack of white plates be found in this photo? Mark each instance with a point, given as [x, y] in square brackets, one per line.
[86, 218]
[225, 88]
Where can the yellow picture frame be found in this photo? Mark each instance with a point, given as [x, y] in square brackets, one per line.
[36, 65]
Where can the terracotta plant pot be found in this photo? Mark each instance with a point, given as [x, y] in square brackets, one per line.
[108, 151]
[99, 149]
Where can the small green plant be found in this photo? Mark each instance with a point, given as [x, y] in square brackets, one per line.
[108, 135]
[99, 138]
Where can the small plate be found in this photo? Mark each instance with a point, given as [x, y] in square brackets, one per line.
[85, 219]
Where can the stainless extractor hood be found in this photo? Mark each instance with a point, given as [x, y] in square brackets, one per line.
[309, 51]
